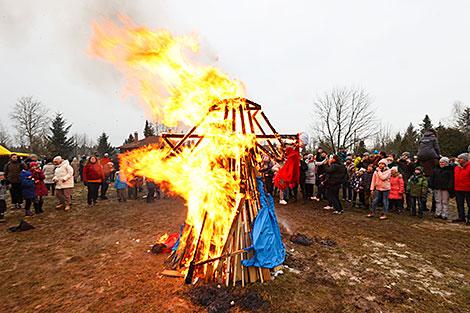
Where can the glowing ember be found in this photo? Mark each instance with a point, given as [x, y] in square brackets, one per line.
[160, 73]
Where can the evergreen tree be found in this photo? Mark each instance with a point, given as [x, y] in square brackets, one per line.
[148, 130]
[103, 144]
[129, 139]
[425, 124]
[463, 120]
[452, 141]
[409, 142]
[58, 142]
[395, 145]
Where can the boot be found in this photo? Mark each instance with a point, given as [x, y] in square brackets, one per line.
[28, 213]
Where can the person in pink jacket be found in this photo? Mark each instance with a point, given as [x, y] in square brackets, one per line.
[397, 189]
[380, 188]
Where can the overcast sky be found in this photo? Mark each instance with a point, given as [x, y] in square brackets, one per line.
[412, 56]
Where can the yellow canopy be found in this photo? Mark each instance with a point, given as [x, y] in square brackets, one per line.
[5, 152]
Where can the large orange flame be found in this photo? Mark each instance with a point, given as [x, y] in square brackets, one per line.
[160, 73]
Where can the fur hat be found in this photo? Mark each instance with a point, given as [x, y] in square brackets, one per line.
[463, 156]
[444, 160]
[384, 161]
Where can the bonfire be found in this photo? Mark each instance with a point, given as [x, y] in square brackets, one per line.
[230, 226]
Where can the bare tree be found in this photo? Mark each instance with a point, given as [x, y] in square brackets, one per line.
[383, 137]
[5, 139]
[343, 117]
[83, 144]
[31, 120]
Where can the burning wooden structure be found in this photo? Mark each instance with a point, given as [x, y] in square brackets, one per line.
[247, 119]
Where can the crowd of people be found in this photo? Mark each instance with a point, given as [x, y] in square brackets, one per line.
[370, 180]
[29, 181]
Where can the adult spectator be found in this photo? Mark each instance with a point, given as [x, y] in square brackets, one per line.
[336, 176]
[321, 162]
[380, 188]
[108, 168]
[441, 182]
[462, 187]
[75, 164]
[93, 177]
[49, 170]
[63, 178]
[429, 151]
[81, 166]
[12, 172]
[310, 176]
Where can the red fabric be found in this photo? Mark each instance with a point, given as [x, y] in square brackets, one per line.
[289, 174]
[40, 188]
[462, 178]
[103, 161]
[170, 242]
[397, 187]
[93, 172]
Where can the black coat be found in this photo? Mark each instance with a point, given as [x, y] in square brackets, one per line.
[442, 178]
[428, 147]
[336, 174]
[406, 169]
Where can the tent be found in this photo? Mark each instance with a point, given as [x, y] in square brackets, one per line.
[5, 152]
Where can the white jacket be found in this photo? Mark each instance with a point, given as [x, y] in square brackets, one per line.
[311, 173]
[63, 175]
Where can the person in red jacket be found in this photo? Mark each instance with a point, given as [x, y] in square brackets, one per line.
[93, 176]
[462, 187]
[40, 189]
[397, 189]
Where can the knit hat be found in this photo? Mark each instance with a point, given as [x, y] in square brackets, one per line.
[406, 153]
[33, 164]
[395, 168]
[362, 170]
[464, 156]
[444, 160]
[419, 168]
[2, 174]
[384, 161]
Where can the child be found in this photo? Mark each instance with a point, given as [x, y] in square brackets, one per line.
[442, 181]
[380, 186]
[27, 189]
[418, 188]
[356, 185]
[121, 187]
[3, 197]
[366, 181]
[40, 189]
[397, 189]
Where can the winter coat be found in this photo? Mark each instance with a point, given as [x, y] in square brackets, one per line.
[39, 186]
[397, 187]
[63, 175]
[93, 173]
[336, 174]
[13, 170]
[406, 169]
[3, 190]
[417, 186]
[442, 178]
[27, 184]
[356, 181]
[381, 180]
[428, 147]
[310, 175]
[303, 171]
[49, 170]
[366, 180]
[119, 183]
[462, 178]
[76, 167]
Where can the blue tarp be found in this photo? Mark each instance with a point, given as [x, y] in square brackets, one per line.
[266, 236]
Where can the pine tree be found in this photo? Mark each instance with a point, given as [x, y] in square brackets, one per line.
[426, 124]
[452, 141]
[409, 142]
[58, 142]
[148, 130]
[463, 120]
[129, 139]
[103, 145]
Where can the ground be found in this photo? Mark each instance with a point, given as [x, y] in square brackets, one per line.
[97, 260]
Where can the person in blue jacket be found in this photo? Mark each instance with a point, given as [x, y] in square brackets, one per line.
[27, 189]
[121, 187]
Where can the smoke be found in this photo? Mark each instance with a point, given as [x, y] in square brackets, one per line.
[284, 226]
